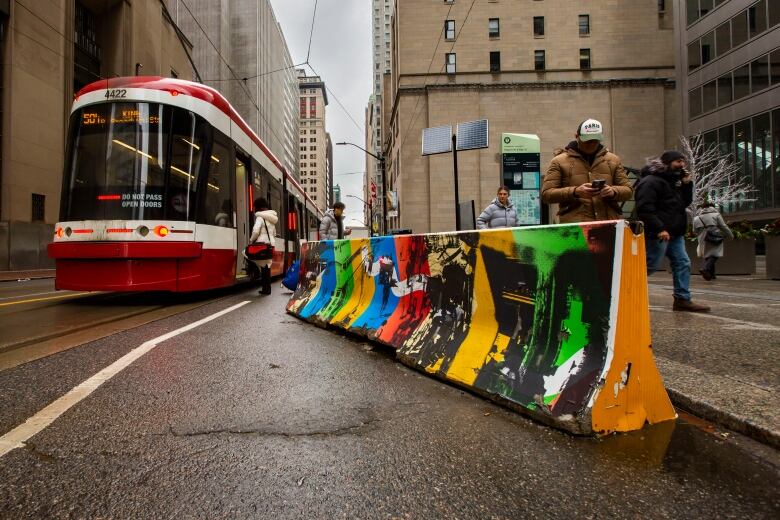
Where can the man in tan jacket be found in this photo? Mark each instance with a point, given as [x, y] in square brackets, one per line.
[586, 180]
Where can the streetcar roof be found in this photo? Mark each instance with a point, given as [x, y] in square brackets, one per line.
[204, 93]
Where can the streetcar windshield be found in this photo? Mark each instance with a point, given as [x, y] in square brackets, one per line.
[133, 161]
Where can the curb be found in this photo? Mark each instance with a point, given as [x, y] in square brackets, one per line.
[18, 276]
[728, 420]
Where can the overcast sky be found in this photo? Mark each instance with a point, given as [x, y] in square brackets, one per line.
[341, 54]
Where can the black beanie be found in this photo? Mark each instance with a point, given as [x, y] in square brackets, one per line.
[671, 155]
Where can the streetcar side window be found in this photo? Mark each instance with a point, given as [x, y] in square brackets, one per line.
[189, 137]
[219, 193]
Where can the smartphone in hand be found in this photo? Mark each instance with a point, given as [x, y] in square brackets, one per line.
[598, 184]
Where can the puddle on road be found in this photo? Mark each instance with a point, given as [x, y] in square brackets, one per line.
[691, 449]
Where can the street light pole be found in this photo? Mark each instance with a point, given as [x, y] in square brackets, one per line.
[370, 207]
[381, 159]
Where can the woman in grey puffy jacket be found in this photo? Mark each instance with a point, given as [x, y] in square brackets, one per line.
[499, 213]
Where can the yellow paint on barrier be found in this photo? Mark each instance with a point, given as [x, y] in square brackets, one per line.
[473, 352]
[633, 392]
[362, 291]
[501, 344]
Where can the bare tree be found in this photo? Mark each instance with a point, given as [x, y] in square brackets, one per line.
[715, 176]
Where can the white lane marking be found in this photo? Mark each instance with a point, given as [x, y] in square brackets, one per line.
[38, 422]
[734, 324]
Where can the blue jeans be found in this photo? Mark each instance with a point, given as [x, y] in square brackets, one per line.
[678, 259]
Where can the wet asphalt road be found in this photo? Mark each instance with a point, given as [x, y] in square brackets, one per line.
[257, 415]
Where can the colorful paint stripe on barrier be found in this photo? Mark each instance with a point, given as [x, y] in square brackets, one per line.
[551, 320]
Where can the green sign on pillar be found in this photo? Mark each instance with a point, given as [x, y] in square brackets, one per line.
[521, 171]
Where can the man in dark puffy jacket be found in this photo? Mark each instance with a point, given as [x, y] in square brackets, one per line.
[662, 195]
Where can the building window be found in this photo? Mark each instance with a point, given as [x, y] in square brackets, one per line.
[38, 207]
[694, 55]
[495, 61]
[312, 139]
[538, 60]
[585, 59]
[710, 96]
[725, 90]
[739, 29]
[661, 6]
[759, 74]
[449, 61]
[723, 39]
[774, 68]
[692, 10]
[493, 28]
[538, 26]
[694, 103]
[757, 18]
[774, 19]
[449, 29]
[741, 82]
[707, 47]
[584, 24]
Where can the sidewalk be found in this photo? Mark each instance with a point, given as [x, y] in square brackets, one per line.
[12, 276]
[723, 366]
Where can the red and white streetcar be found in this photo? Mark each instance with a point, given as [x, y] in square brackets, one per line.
[159, 179]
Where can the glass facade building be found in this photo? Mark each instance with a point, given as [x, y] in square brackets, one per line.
[729, 82]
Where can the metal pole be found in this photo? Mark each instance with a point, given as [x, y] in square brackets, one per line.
[455, 167]
[384, 195]
[285, 219]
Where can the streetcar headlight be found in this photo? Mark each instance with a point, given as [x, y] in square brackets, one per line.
[68, 231]
[143, 231]
[59, 232]
[161, 231]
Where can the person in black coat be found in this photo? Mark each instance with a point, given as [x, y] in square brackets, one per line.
[662, 196]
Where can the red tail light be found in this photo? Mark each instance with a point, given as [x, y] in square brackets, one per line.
[161, 231]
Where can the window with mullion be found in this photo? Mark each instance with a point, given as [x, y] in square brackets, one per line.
[584, 24]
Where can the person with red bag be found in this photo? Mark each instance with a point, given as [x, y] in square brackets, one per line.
[261, 244]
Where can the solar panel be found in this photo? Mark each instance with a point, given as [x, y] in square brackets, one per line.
[473, 135]
[437, 140]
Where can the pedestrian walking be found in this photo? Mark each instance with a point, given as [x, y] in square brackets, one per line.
[500, 213]
[586, 180]
[264, 232]
[711, 231]
[663, 193]
[332, 224]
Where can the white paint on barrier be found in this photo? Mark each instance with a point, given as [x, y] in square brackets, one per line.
[38, 422]
[617, 273]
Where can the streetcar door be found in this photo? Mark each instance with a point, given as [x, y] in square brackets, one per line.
[243, 210]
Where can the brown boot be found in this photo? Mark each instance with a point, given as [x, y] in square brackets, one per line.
[688, 306]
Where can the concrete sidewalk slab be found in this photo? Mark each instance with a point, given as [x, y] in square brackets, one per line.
[723, 366]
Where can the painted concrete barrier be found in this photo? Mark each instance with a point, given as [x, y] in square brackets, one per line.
[552, 321]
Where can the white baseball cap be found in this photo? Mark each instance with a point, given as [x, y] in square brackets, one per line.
[590, 130]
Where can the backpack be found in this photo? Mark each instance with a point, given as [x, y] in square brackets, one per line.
[292, 275]
[713, 235]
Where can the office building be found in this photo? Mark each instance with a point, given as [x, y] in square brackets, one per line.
[241, 51]
[313, 141]
[729, 86]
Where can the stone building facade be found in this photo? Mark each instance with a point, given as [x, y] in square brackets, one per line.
[42, 67]
[527, 66]
[729, 86]
[313, 141]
